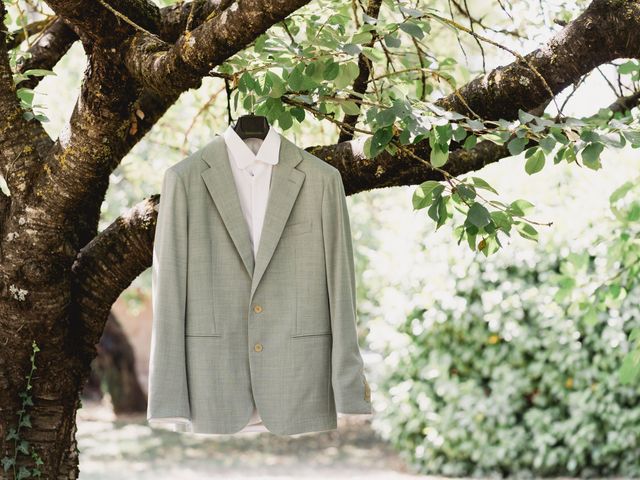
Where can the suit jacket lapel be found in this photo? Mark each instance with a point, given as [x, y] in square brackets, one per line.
[222, 188]
[286, 182]
[285, 185]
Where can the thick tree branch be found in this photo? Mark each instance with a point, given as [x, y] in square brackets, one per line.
[170, 69]
[95, 21]
[181, 17]
[108, 264]
[625, 103]
[606, 30]
[16, 133]
[76, 170]
[18, 36]
[47, 51]
[361, 174]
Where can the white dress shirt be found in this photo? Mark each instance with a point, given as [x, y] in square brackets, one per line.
[252, 161]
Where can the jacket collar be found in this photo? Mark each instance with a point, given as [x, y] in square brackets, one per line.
[243, 156]
[286, 181]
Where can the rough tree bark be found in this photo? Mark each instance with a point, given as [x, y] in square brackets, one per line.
[70, 274]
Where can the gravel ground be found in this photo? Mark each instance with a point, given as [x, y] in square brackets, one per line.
[113, 449]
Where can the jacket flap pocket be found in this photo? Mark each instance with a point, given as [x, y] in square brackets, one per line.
[200, 321]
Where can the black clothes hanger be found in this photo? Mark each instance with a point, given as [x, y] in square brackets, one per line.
[252, 126]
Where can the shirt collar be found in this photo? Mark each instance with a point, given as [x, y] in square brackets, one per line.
[243, 156]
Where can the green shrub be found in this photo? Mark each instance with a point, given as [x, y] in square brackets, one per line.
[498, 370]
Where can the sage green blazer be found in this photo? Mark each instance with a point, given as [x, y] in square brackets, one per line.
[281, 328]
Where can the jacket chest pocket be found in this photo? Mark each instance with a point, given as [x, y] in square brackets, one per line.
[200, 318]
[296, 228]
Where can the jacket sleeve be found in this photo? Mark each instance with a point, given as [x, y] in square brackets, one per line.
[350, 387]
[168, 391]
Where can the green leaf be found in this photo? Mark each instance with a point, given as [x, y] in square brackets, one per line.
[630, 368]
[488, 245]
[470, 142]
[480, 183]
[412, 29]
[23, 447]
[386, 117]
[516, 145]
[520, 207]
[590, 318]
[438, 157]
[422, 196]
[276, 83]
[391, 40]
[7, 463]
[298, 113]
[439, 139]
[459, 133]
[331, 70]
[380, 138]
[492, 137]
[478, 215]
[374, 54]
[350, 107]
[348, 73]
[25, 421]
[39, 72]
[466, 192]
[410, 11]
[591, 155]
[535, 162]
[442, 212]
[475, 124]
[524, 117]
[619, 192]
[628, 67]
[633, 137]
[502, 221]
[547, 144]
[570, 154]
[285, 120]
[361, 37]
[296, 77]
[527, 231]
[26, 95]
[434, 209]
[23, 472]
[559, 154]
